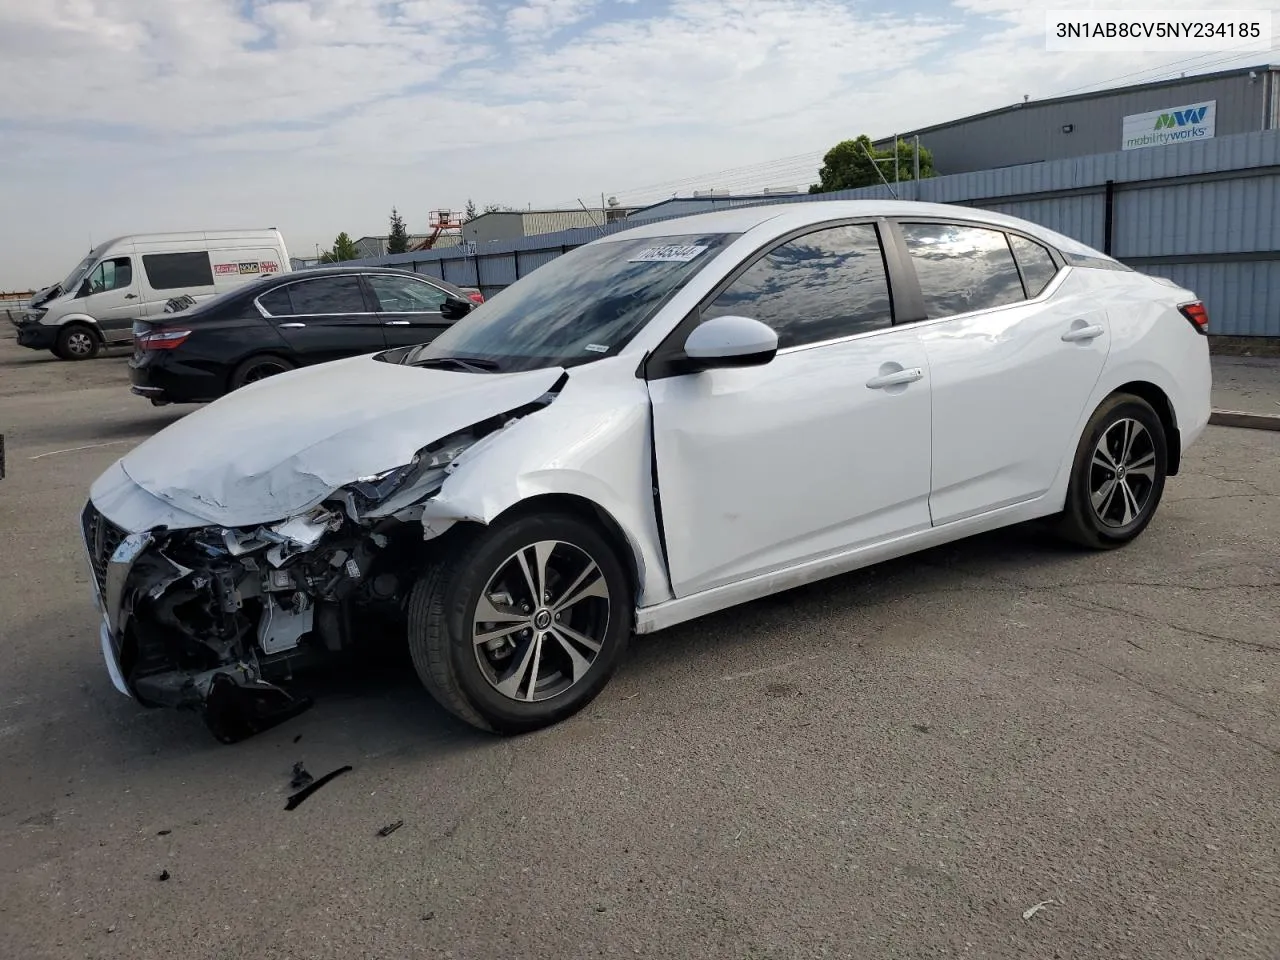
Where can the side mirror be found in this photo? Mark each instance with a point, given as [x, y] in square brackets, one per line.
[731, 342]
[84, 289]
[455, 309]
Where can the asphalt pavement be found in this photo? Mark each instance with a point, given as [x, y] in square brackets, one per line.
[1001, 748]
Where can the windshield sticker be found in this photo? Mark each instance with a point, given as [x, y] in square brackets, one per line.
[597, 348]
[672, 253]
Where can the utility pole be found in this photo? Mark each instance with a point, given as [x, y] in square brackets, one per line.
[896, 178]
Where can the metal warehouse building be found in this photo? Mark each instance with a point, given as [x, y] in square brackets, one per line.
[1245, 100]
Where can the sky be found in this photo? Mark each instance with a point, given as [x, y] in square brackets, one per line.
[319, 116]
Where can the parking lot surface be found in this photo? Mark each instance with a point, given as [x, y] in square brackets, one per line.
[904, 762]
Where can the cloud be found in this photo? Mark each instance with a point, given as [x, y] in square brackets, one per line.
[318, 115]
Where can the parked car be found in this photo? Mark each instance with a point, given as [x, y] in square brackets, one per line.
[199, 353]
[658, 425]
[132, 278]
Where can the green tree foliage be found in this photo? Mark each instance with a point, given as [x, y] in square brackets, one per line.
[846, 166]
[470, 213]
[344, 248]
[398, 241]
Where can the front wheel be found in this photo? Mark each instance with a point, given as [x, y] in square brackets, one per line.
[1118, 475]
[524, 625]
[77, 341]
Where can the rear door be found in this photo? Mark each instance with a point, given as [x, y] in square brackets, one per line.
[409, 308]
[324, 319]
[1012, 363]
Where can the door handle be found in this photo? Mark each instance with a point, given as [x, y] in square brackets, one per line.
[1076, 334]
[292, 326]
[397, 323]
[131, 296]
[910, 375]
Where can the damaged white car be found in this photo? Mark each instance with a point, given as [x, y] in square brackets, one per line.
[663, 423]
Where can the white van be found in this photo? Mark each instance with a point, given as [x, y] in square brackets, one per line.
[133, 278]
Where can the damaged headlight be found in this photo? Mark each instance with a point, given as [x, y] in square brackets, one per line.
[393, 490]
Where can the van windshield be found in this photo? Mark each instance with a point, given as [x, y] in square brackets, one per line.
[78, 274]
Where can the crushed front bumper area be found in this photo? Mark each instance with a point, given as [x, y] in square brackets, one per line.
[209, 638]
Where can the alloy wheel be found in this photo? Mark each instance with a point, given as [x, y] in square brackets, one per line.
[260, 371]
[541, 620]
[80, 344]
[1122, 475]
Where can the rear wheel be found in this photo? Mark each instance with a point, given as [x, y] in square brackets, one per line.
[1118, 475]
[259, 368]
[523, 625]
[77, 341]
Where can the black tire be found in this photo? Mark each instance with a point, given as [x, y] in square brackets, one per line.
[1116, 523]
[442, 608]
[77, 341]
[259, 367]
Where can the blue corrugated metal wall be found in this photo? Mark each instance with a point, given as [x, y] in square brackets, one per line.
[1204, 214]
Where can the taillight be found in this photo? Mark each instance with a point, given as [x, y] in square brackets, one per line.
[1197, 314]
[476, 297]
[164, 340]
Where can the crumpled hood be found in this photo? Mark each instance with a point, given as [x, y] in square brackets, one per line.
[280, 446]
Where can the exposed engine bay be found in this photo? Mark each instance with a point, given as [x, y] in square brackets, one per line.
[218, 619]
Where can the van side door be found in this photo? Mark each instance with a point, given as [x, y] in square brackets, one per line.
[169, 275]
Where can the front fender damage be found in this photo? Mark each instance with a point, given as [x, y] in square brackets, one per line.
[219, 619]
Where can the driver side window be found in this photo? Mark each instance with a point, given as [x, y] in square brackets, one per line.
[824, 285]
[108, 275]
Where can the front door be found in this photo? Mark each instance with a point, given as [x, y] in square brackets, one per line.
[409, 308]
[325, 318]
[1012, 370]
[823, 449]
[111, 295]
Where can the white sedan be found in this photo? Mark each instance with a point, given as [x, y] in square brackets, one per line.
[663, 423]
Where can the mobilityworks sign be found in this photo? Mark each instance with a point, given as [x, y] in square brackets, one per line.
[1161, 128]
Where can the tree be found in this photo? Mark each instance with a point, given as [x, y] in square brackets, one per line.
[470, 213]
[846, 166]
[398, 241]
[344, 248]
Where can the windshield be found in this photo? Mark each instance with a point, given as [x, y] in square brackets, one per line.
[76, 275]
[582, 306]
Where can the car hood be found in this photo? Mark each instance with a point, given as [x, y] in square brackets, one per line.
[280, 446]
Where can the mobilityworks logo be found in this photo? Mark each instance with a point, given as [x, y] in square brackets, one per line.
[1169, 126]
[1181, 118]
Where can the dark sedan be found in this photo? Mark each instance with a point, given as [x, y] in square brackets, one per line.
[282, 322]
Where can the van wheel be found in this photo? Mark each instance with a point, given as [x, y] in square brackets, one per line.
[77, 341]
[259, 368]
[1118, 475]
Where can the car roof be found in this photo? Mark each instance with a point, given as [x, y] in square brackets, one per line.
[338, 271]
[784, 216]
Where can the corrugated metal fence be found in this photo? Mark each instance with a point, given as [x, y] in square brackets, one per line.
[1203, 214]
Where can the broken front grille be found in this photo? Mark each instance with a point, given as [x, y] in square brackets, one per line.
[101, 538]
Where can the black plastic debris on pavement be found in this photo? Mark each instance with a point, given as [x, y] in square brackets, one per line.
[390, 828]
[301, 777]
[164, 875]
[309, 789]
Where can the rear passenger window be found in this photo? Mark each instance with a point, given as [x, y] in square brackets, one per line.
[174, 271]
[962, 268]
[277, 302]
[1036, 263]
[821, 286]
[326, 295]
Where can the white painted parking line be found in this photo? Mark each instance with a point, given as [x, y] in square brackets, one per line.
[87, 446]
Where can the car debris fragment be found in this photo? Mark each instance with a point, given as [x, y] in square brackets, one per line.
[390, 828]
[309, 789]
